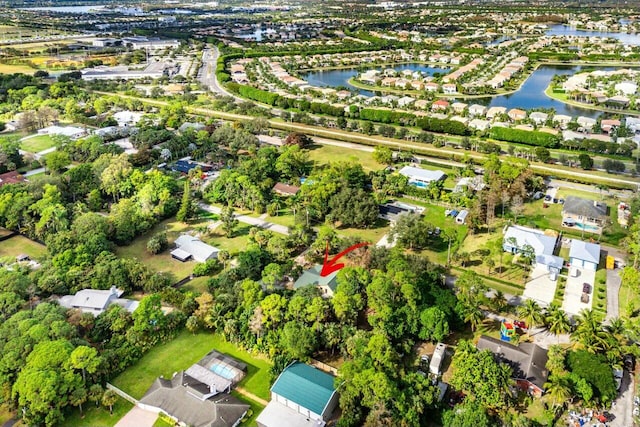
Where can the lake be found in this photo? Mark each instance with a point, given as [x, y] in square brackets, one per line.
[335, 78]
[531, 94]
[67, 9]
[565, 30]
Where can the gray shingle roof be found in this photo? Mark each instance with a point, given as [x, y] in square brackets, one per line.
[584, 207]
[197, 248]
[527, 360]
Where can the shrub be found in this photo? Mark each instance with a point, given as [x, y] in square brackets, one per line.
[207, 268]
[158, 243]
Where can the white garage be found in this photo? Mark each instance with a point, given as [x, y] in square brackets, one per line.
[584, 255]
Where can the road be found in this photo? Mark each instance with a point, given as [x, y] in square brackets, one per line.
[623, 409]
[207, 73]
[277, 228]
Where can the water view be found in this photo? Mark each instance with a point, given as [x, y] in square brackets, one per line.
[67, 9]
[565, 30]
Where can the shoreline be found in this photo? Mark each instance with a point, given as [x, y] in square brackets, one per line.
[549, 93]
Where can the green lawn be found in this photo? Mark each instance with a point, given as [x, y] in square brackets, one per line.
[21, 245]
[371, 235]
[198, 284]
[256, 408]
[98, 417]
[324, 154]
[37, 143]
[184, 351]
[5, 414]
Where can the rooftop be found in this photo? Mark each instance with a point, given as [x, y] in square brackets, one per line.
[585, 251]
[312, 277]
[423, 174]
[540, 242]
[585, 207]
[305, 385]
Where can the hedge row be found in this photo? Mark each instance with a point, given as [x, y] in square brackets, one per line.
[539, 139]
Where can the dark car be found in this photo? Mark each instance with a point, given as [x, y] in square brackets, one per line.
[586, 288]
[561, 201]
[630, 362]
[547, 198]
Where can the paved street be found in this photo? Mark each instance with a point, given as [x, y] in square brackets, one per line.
[277, 228]
[623, 409]
[207, 74]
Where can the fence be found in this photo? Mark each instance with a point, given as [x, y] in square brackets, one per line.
[324, 367]
[122, 393]
[181, 282]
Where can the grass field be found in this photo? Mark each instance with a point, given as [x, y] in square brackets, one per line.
[37, 143]
[21, 245]
[98, 417]
[323, 154]
[172, 356]
[236, 244]
[11, 69]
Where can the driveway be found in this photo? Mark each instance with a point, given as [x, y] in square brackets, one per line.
[277, 228]
[540, 287]
[613, 290]
[573, 292]
[623, 409]
[137, 417]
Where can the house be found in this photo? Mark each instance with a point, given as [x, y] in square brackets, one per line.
[626, 88]
[326, 284]
[586, 122]
[405, 101]
[477, 110]
[191, 126]
[12, 177]
[618, 101]
[527, 360]
[270, 140]
[479, 124]
[633, 123]
[285, 189]
[95, 301]
[421, 177]
[494, 112]
[475, 183]
[302, 396]
[462, 216]
[516, 238]
[185, 166]
[449, 88]
[607, 125]
[391, 211]
[69, 131]
[127, 118]
[188, 246]
[538, 117]
[458, 107]
[583, 211]
[516, 114]
[421, 103]
[440, 105]
[432, 87]
[584, 255]
[562, 120]
[199, 395]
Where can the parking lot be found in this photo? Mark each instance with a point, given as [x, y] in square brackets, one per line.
[572, 304]
[540, 287]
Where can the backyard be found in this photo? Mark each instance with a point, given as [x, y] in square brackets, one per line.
[168, 358]
[17, 245]
[98, 416]
[37, 143]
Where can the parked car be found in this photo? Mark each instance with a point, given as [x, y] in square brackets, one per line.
[520, 324]
[547, 198]
[424, 359]
[586, 288]
[561, 201]
[437, 231]
[585, 298]
[630, 362]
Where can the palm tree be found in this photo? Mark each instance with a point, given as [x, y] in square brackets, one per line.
[558, 388]
[499, 301]
[589, 332]
[557, 321]
[616, 328]
[531, 313]
[474, 316]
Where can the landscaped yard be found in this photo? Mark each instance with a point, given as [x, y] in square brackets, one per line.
[21, 245]
[98, 417]
[256, 408]
[324, 154]
[233, 245]
[182, 352]
[37, 143]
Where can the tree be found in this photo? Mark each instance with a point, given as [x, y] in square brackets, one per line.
[558, 388]
[86, 359]
[557, 321]
[186, 206]
[468, 414]
[383, 155]
[192, 324]
[435, 326]
[158, 243]
[586, 162]
[95, 394]
[299, 139]
[596, 371]
[57, 161]
[410, 231]
[109, 398]
[298, 340]
[77, 397]
[589, 332]
[228, 219]
[543, 154]
[531, 313]
[353, 208]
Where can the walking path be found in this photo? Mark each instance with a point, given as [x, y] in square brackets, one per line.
[251, 396]
[281, 229]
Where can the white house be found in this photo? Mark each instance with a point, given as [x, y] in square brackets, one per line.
[626, 88]
[95, 301]
[479, 124]
[421, 177]
[584, 255]
[517, 238]
[70, 131]
[538, 117]
[127, 118]
[191, 247]
[302, 396]
[405, 101]
[477, 110]
[586, 122]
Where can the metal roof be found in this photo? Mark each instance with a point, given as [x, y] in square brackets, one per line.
[585, 251]
[423, 174]
[312, 277]
[305, 385]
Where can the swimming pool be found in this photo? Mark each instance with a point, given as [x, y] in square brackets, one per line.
[225, 371]
[586, 227]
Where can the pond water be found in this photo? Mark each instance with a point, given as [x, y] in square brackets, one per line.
[335, 78]
[531, 94]
[67, 9]
[565, 30]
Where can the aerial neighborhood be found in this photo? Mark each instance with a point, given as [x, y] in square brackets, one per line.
[319, 213]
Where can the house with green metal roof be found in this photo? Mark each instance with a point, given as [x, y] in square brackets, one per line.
[302, 396]
[326, 284]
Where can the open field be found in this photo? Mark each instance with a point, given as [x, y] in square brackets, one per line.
[170, 357]
[11, 69]
[324, 154]
[236, 244]
[98, 417]
[21, 245]
[37, 143]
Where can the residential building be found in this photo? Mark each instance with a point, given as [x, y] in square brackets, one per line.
[69, 131]
[626, 88]
[405, 101]
[438, 357]
[584, 255]
[516, 114]
[527, 360]
[475, 183]
[449, 88]
[461, 218]
[458, 107]
[285, 189]
[479, 124]
[440, 105]
[477, 110]
[190, 247]
[538, 117]
[586, 122]
[607, 125]
[95, 301]
[421, 177]
[302, 396]
[432, 87]
[151, 43]
[127, 118]
[326, 284]
[581, 211]
[517, 238]
[199, 395]
[494, 112]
